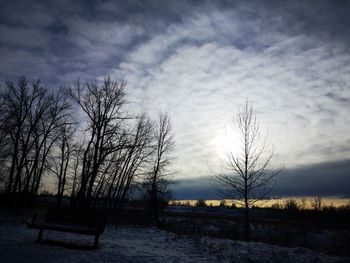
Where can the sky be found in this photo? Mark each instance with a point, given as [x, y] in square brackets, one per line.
[200, 61]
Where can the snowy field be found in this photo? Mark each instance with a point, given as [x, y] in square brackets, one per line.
[141, 244]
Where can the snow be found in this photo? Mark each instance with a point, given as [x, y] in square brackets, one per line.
[142, 244]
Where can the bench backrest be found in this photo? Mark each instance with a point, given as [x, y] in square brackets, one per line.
[91, 219]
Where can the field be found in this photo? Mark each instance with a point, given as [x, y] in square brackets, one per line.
[327, 231]
[185, 236]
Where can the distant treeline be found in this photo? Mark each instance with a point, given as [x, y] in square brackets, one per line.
[317, 204]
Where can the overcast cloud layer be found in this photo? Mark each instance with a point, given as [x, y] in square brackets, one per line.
[200, 61]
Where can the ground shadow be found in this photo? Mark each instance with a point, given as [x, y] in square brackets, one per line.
[69, 245]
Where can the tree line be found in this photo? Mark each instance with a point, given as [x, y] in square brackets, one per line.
[83, 142]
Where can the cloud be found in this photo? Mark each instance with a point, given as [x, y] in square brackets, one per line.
[288, 83]
[200, 61]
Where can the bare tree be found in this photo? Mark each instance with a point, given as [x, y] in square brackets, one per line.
[39, 137]
[247, 175]
[62, 157]
[76, 160]
[55, 111]
[18, 103]
[101, 103]
[116, 147]
[132, 161]
[158, 180]
[30, 115]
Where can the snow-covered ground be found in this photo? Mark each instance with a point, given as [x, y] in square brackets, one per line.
[142, 244]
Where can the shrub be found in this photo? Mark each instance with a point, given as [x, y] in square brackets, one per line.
[276, 206]
[329, 208]
[200, 203]
[344, 207]
[317, 204]
[291, 205]
[223, 203]
[303, 204]
[233, 206]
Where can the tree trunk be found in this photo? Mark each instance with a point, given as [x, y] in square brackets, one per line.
[247, 221]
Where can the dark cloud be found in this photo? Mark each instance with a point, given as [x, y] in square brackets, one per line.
[88, 38]
[324, 179]
[194, 188]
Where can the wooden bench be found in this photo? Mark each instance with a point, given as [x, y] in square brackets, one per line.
[71, 221]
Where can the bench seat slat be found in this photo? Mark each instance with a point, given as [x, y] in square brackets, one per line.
[65, 228]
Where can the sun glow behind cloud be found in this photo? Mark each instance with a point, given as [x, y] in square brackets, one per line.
[200, 62]
[227, 142]
[203, 85]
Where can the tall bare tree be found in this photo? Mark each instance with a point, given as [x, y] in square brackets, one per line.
[62, 157]
[247, 174]
[55, 112]
[129, 163]
[4, 142]
[159, 178]
[29, 118]
[101, 103]
[39, 138]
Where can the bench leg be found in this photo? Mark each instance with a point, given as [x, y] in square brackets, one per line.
[96, 241]
[40, 236]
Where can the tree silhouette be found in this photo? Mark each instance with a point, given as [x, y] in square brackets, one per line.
[158, 180]
[101, 103]
[30, 117]
[247, 173]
